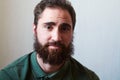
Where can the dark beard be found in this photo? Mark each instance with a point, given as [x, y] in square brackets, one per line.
[53, 57]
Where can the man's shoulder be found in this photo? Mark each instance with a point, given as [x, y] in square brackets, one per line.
[78, 69]
[18, 66]
[19, 62]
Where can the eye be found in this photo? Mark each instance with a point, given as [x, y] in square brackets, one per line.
[65, 28]
[48, 27]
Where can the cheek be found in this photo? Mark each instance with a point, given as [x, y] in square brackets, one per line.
[68, 39]
[42, 37]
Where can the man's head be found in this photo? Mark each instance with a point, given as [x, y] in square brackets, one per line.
[63, 4]
[53, 29]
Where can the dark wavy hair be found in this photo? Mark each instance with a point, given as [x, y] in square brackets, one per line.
[64, 4]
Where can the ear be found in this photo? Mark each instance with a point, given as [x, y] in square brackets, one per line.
[34, 29]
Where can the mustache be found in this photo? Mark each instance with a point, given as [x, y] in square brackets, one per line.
[55, 43]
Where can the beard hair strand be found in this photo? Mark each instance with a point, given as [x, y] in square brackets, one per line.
[53, 57]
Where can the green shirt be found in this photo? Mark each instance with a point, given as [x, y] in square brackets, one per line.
[27, 68]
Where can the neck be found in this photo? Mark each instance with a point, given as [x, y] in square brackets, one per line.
[46, 67]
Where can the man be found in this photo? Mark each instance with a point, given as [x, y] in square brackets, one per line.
[54, 23]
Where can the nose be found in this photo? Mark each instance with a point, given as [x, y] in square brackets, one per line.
[56, 35]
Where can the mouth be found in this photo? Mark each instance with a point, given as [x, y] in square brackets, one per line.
[54, 47]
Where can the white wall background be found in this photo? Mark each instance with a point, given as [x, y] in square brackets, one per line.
[97, 33]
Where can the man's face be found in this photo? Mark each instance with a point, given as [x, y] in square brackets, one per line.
[54, 34]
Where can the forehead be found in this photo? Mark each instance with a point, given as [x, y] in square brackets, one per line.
[55, 15]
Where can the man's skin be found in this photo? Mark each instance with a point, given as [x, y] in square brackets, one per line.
[54, 24]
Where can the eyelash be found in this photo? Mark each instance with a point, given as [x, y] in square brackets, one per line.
[48, 27]
[65, 29]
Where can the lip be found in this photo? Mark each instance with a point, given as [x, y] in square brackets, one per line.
[54, 47]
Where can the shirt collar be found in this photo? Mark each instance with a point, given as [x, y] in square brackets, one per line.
[36, 69]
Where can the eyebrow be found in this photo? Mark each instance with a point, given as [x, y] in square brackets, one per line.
[50, 23]
[66, 24]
